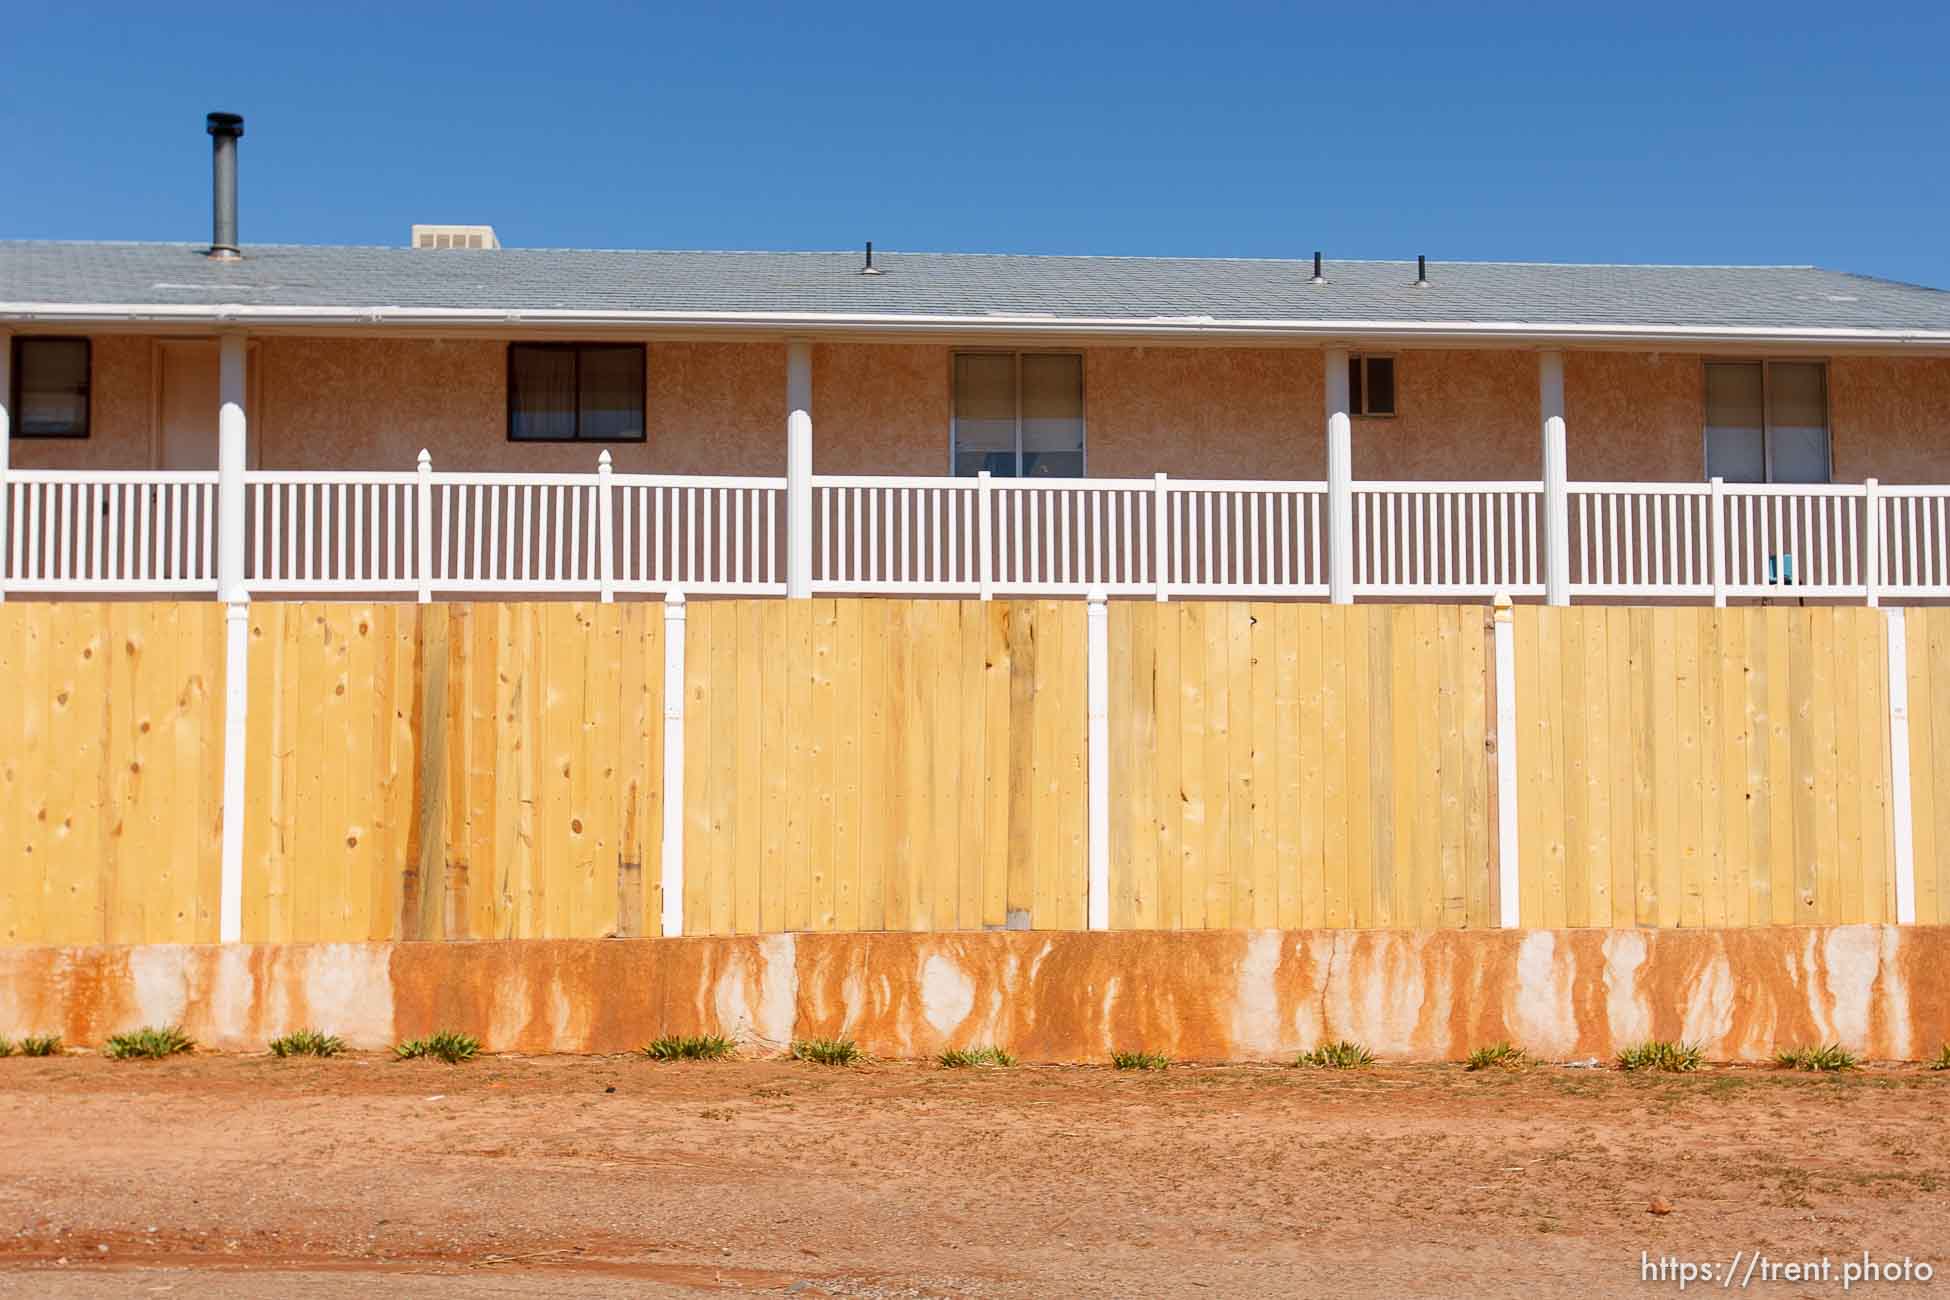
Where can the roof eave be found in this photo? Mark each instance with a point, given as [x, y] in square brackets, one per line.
[164, 316]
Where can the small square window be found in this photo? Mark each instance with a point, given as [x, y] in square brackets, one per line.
[1371, 385]
[575, 392]
[50, 397]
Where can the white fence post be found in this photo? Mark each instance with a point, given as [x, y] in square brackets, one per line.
[673, 838]
[1509, 907]
[605, 531]
[423, 526]
[985, 534]
[1902, 814]
[1872, 541]
[1097, 621]
[1340, 481]
[1557, 511]
[1716, 530]
[1161, 533]
[236, 701]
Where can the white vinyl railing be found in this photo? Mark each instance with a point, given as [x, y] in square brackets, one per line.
[435, 532]
[1426, 539]
[110, 530]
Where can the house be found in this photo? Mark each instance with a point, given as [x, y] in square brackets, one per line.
[939, 367]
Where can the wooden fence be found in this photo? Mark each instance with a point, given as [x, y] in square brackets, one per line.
[1299, 765]
[1689, 767]
[496, 770]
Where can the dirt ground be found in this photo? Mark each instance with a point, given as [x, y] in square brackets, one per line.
[556, 1176]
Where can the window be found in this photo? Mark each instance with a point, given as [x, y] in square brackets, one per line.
[1767, 421]
[50, 397]
[1019, 414]
[575, 392]
[1371, 385]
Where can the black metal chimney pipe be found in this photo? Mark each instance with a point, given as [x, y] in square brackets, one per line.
[225, 130]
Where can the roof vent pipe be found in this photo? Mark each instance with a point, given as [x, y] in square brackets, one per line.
[869, 268]
[1318, 277]
[1421, 271]
[225, 130]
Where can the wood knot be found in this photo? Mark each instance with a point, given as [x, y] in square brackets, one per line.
[575, 824]
[352, 841]
[144, 728]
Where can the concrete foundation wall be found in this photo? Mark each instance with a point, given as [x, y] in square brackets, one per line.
[1225, 995]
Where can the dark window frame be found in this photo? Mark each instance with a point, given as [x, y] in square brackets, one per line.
[1766, 365]
[1359, 387]
[1017, 355]
[576, 348]
[17, 374]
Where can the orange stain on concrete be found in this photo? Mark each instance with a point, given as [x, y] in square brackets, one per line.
[1205, 995]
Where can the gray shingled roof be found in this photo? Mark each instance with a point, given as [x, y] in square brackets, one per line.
[1134, 289]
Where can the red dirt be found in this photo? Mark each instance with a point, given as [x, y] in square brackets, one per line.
[225, 1175]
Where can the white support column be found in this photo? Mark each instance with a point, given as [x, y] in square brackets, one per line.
[798, 468]
[6, 437]
[232, 438]
[1509, 909]
[1340, 480]
[673, 830]
[1557, 512]
[1901, 812]
[1097, 671]
[232, 383]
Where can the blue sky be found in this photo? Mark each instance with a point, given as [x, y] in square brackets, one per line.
[1703, 133]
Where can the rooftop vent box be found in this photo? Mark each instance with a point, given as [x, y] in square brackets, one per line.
[454, 237]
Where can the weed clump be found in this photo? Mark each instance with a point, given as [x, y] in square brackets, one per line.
[1657, 1056]
[1344, 1055]
[148, 1043]
[1140, 1061]
[1498, 1056]
[690, 1047]
[1827, 1058]
[967, 1058]
[307, 1042]
[827, 1051]
[446, 1045]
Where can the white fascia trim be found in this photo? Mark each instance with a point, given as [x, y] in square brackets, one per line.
[243, 315]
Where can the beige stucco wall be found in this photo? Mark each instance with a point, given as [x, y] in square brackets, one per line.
[1890, 418]
[1217, 412]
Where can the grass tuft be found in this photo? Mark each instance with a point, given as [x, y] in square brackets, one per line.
[307, 1042]
[1498, 1056]
[968, 1058]
[1140, 1061]
[1942, 1059]
[447, 1045]
[1657, 1056]
[1828, 1057]
[1343, 1055]
[827, 1051]
[148, 1044]
[691, 1047]
[39, 1045]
